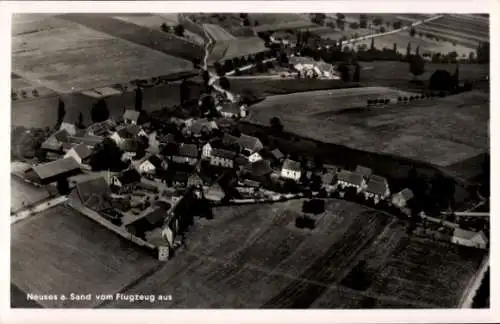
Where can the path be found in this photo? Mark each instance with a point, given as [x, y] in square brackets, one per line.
[38, 208]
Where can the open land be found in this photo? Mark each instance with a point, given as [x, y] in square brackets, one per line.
[239, 47]
[280, 21]
[258, 250]
[23, 192]
[434, 131]
[217, 33]
[68, 57]
[60, 252]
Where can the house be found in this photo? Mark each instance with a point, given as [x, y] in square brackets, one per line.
[131, 117]
[214, 193]
[56, 170]
[125, 178]
[150, 165]
[153, 143]
[194, 180]
[232, 110]
[377, 189]
[127, 132]
[54, 143]
[291, 170]
[186, 154]
[69, 127]
[257, 169]
[364, 171]
[81, 153]
[469, 238]
[249, 143]
[179, 178]
[103, 128]
[277, 155]
[129, 145]
[329, 181]
[348, 179]
[402, 198]
[88, 140]
[206, 151]
[222, 158]
[254, 157]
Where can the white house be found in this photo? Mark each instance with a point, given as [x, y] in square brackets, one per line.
[69, 127]
[147, 167]
[291, 170]
[206, 151]
[128, 156]
[222, 158]
[401, 198]
[153, 143]
[80, 153]
[469, 238]
[254, 157]
[377, 189]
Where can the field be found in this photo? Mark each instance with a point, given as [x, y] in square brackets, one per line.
[134, 33]
[61, 252]
[67, 57]
[23, 192]
[435, 131]
[217, 33]
[20, 85]
[253, 256]
[229, 49]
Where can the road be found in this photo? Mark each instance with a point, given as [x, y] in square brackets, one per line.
[474, 284]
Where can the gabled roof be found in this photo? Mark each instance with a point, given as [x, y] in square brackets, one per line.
[258, 168]
[195, 179]
[225, 154]
[198, 128]
[54, 168]
[327, 178]
[291, 165]
[129, 145]
[52, 144]
[277, 154]
[350, 177]
[376, 187]
[101, 128]
[129, 131]
[378, 178]
[156, 216]
[82, 151]
[250, 142]
[188, 150]
[406, 193]
[88, 140]
[61, 135]
[364, 171]
[131, 115]
[228, 139]
[156, 161]
[469, 235]
[129, 176]
[95, 194]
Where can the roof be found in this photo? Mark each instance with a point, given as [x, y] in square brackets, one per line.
[88, 140]
[188, 150]
[350, 177]
[406, 193]
[197, 128]
[195, 178]
[291, 165]
[328, 177]
[468, 235]
[258, 168]
[228, 139]
[131, 114]
[95, 194]
[376, 187]
[277, 154]
[225, 154]
[129, 131]
[129, 145]
[156, 161]
[129, 176]
[378, 178]
[250, 142]
[364, 171]
[61, 135]
[51, 143]
[215, 191]
[156, 216]
[231, 107]
[54, 168]
[101, 128]
[82, 150]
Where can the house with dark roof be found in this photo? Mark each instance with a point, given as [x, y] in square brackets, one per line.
[94, 194]
[222, 158]
[88, 140]
[186, 154]
[401, 199]
[150, 165]
[195, 180]
[149, 221]
[377, 189]
[249, 143]
[291, 170]
[69, 127]
[131, 117]
[130, 131]
[364, 171]
[56, 170]
[469, 238]
[349, 179]
[54, 143]
[329, 181]
[277, 155]
[103, 128]
[125, 178]
[80, 152]
[258, 169]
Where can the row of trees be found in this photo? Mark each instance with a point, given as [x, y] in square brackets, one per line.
[177, 29]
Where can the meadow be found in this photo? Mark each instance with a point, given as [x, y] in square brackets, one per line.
[22, 192]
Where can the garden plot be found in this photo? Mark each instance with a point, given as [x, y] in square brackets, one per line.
[67, 57]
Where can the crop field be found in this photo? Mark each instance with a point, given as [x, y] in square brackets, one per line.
[254, 257]
[217, 33]
[141, 35]
[67, 57]
[22, 86]
[225, 50]
[281, 21]
[22, 192]
[62, 252]
[436, 131]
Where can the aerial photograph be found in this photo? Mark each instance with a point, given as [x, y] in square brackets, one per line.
[250, 160]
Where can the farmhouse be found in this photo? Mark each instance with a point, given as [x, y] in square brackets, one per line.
[56, 170]
[258, 169]
[206, 151]
[291, 170]
[277, 155]
[54, 143]
[103, 128]
[348, 179]
[186, 154]
[249, 143]
[80, 153]
[222, 158]
[131, 117]
[401, 199]
[377, 189]
[469, 238]
[308, 67]
[364, 171]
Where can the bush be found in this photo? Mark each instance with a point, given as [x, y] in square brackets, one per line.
[406, 99]
[35, 92]
[387, 101]
[381, 101]
[304, 222]
[412, 98]
[441, 94]
[400, 99]
[369, 102]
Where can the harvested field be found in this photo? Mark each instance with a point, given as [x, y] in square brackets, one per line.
[217, 33]
[67, 57]
[153, 39]
[239, 47]
[22, 192]
[62, 252]
[434, 131]
[281, 21]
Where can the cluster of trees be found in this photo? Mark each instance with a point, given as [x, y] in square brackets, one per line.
[26, 142]
[318, 18]
[177, 29]
[239, 62]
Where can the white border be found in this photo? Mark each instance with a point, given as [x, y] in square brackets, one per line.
[239, 316]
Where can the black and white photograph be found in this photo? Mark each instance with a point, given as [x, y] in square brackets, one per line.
[250, 160]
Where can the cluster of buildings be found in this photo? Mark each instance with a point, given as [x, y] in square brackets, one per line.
[308, 68]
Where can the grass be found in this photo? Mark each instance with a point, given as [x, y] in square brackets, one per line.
[62, 252]
[23, 192]
[253, 256]
[68, 57]
[434, 131]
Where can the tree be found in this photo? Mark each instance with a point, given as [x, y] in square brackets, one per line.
[276, 125]
[372, 45]
[397, 24]
[456, 77]
[165, 28]
[179, 30]
[412, 32]
[79, 121]
[408, 50]
[378, 21]
[483, 52]
[224, 83]
[206, 78]
[99, 111]
[363, 21]
[357, 72]
[395, 48]
[63, 187]
[417, 50]
[107, 156]
[61, 112]
[184, 91]
[344, 72]
[138, 99]
[417, 65]
[441, 80]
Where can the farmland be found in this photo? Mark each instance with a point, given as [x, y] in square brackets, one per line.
[281, 21]
[240, 47]
[61, 252]
[61, 56]
[433, 131]
[217, 33]
[21, 192]
[257, 250]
